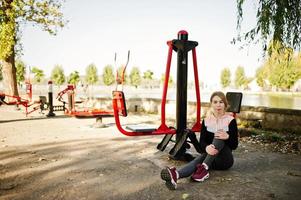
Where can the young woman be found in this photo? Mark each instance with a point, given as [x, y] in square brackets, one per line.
[218, 138]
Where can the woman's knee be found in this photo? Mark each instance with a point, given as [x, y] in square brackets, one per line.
[219, 144]
[224, 160]
[222, 164]
[227, 164]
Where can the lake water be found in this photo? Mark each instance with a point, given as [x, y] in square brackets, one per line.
[275, 100]
[278, 100]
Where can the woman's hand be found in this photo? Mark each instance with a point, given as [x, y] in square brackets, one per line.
[211, 150]
[221, 135]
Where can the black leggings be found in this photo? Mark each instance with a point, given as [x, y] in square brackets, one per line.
[222, 161]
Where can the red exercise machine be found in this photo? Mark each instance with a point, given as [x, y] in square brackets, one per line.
[27, 103]
[83, 113]
[182, 46]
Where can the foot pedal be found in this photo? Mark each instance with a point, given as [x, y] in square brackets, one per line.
[141, 128]
[162, 145]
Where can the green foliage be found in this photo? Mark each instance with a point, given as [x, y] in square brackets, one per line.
[260, 77]
[57, 75]
[21, 68]
[282, 69]
[38, 75]
[298, 61]
[148, 80]
[278, 20]
[13, 13]
[74, 78]
[1, 77]
[225, 77]
[108, 75]
[8, 29]
[148, 75]
[91, 74]
[240, 78]
[250, 124]
[248, 80]
[135, 77]
[270, 136]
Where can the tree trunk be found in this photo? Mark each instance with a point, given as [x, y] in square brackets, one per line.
[8, 62]
[9, 76]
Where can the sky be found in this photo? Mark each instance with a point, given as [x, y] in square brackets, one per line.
[99, 28]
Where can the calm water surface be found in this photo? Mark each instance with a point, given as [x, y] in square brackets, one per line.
[286, 101]
[278, 100]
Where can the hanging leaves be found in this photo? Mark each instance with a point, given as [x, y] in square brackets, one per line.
[276, 20]
[15, 13]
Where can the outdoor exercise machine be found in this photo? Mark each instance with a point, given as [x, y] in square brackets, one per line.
[71, 110]
[182, 46]
[67, 107]
[30, 106]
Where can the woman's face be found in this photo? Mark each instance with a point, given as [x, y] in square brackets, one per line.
[218, 105]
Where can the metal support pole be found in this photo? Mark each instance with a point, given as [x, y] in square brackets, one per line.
[29, 91]
[50, 100]
[71, 99]
[182, 46]
[181, 100]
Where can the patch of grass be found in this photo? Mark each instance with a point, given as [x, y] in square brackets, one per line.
[272, 137]
[250, 124]
[278, 141]
[268, 136]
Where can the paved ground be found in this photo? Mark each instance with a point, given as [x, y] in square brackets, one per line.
[66, 158]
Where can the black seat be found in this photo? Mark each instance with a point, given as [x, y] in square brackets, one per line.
[234, 100]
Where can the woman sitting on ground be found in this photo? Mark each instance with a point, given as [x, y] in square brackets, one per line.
[218, 138]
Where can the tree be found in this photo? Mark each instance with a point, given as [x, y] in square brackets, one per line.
[298, 60]
[277, 20]
[148, 79]
[38, 75]
[74, 78]
[248, 80]
[1, 77]
[135, 77]
[148, 75]
[282, 66]
[240, 78]
[260, 76]
[225, 77]
[91, 74]
[57, 75]
[20, 71]
[108, 76]
[14, 13]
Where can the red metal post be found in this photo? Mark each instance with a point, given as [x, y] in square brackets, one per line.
[164, 94]
[197, 126]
